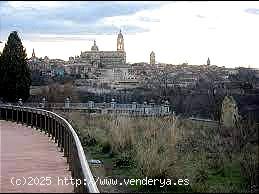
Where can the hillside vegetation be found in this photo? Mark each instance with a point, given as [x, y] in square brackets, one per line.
[212, 159]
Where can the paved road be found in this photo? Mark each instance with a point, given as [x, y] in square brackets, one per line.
[28, 153]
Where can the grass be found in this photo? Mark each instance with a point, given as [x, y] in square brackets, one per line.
[169, 148]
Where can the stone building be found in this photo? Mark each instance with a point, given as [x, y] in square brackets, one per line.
[38, 64]
[152, 58]
[238, 107]
[103, 59]
[107, 65]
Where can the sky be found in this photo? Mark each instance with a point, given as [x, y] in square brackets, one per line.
[225, 31]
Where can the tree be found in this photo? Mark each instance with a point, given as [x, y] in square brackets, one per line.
[15, 76]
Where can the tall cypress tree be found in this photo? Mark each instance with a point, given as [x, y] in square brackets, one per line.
[15, 76]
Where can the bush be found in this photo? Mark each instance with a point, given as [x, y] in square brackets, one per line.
[125, 160]
[106, 147]
[250, 166]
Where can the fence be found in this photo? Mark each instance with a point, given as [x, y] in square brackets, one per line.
[64, 135]
[133, 109]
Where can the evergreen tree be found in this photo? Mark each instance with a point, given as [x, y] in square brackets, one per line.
[15, 76]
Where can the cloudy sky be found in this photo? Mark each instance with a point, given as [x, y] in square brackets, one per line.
[227, 32]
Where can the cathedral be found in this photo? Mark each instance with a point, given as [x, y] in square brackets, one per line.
[103, 59]
[107, 65]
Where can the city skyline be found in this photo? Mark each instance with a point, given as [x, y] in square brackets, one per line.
[177, 32]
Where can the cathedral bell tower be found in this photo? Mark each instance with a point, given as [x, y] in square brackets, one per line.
[33, 53]
[152, 58]
[120, 42]
[208, 61]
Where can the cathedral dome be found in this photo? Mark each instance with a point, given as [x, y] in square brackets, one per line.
[94, 47]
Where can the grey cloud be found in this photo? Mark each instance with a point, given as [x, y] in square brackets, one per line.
[56, 38]
[83, 15]
[252, 11]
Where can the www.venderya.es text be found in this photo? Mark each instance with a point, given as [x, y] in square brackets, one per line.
[144, 181]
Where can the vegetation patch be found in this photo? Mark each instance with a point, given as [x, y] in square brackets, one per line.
[170, 148]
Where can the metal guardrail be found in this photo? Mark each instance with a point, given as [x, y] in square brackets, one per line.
[64, 135]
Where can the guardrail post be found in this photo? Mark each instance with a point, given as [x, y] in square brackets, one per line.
[43, 102]
[45, 123]
[6, 117]
[20, 102]
[62, 138]
[56, 130]
[36, 120]
[64, 142]
[49, 125]
[17, 116]
[40, 122]
[52, 129]
[66, 152]
[27, 118]
[12, 114]
[70, 153]
[58, 135]
[22, 116]
[31, 122]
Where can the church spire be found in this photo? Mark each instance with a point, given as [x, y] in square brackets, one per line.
[152, 58]
[208, 61]
[33, 53]
[120, 42]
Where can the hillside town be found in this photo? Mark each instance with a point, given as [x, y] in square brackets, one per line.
[129, 97]
[192, 89]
